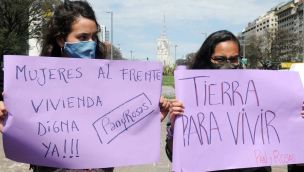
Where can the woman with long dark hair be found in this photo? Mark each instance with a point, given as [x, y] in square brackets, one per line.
[72, 32]
[73, 25]
[205, 58]
[221, 50]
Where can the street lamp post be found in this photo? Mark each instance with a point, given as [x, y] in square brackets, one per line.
[111, 13]
[244, 47]
[131, 53]
[243, 43]
[175, 53]
[244, 59]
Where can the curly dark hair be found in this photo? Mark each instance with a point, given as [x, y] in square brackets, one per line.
[203, 56]
[60, 25]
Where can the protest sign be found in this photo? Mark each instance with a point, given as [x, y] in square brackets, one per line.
[237, 119]
[81, 113]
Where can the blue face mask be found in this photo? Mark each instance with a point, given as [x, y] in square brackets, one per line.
[82, 49]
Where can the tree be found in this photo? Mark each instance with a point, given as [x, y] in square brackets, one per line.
[269, 58]
[287, 45]
[20, 21]
[116, 52]
[168, 70]
[181, 62]
[262, 50]
[253, 51]
[190, 59]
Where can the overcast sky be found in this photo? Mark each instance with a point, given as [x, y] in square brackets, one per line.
[139, 23]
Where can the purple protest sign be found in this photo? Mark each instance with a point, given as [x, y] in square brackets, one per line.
[81, 113]
[237, 119]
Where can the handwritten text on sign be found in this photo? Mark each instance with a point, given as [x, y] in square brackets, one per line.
[64, 112]
[232, 115]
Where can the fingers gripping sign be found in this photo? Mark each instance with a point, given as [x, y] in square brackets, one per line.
[164, 106]
[176, 108]
[2, 115]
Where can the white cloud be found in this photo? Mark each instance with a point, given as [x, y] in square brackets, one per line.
[138, 23]
[151, 11]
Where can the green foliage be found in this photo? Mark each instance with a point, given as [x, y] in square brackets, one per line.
[267, 50]
[11, 43]
[169, 96]
[117, 54]
[168, 70]
[253, 51]
[168, 87]
[21, 20]
[168, 80]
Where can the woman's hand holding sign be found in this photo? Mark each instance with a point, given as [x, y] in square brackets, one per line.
[164, 106]
[176, 108]
[2, 115]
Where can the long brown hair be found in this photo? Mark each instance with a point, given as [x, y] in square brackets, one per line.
[60, 25]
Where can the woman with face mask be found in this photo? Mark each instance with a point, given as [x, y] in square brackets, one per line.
[221, 50]
[72, 33]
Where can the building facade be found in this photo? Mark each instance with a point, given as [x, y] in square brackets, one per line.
[290, 30]
[261, 32]
[301, 26]
[279, 32]
[102, 34]
[265, 23]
